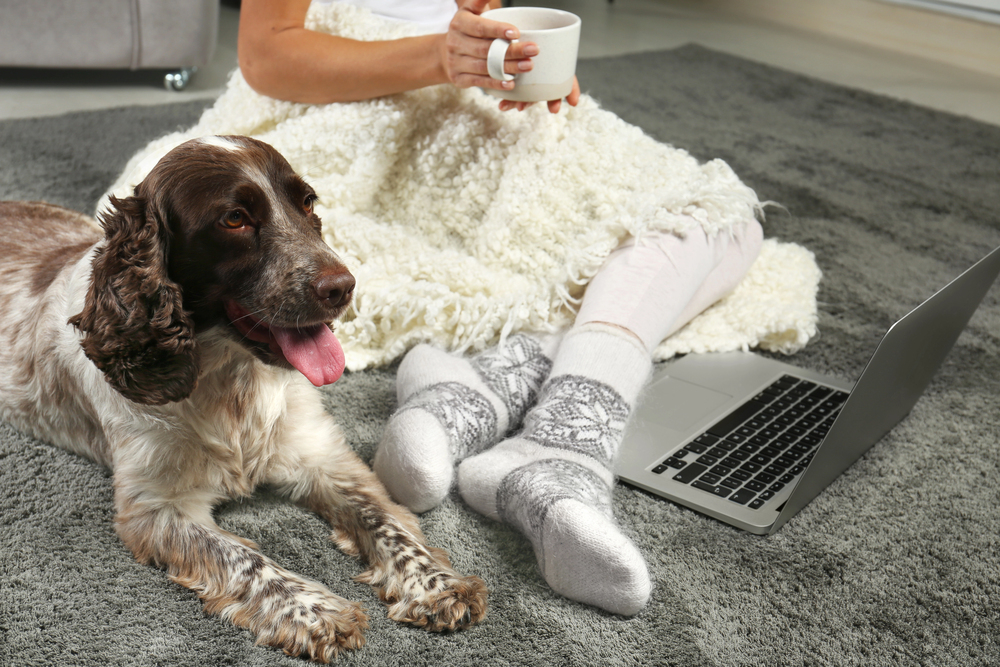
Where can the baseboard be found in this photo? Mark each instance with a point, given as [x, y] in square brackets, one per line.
[944, 38]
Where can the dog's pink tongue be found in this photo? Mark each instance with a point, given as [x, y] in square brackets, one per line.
[314, 351]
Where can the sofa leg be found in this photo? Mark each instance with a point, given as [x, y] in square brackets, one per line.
[179, 79]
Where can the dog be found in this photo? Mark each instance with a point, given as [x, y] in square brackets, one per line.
[178, 343]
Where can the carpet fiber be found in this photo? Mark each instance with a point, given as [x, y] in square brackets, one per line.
[895, 564]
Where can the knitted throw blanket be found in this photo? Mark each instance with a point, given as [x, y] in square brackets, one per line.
[463, 224]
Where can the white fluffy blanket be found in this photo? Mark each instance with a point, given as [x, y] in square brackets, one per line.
[463, 224]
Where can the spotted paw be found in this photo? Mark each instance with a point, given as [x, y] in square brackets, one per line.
[317, 625]
[444, 602]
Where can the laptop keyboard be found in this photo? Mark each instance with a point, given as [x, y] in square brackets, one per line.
[761, 447]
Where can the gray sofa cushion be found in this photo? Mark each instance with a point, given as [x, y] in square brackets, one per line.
[132, 34]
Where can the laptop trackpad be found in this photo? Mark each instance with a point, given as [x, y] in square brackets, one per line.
[677, 405]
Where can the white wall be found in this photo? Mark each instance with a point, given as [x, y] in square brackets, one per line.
[954, 40]
[980, 10]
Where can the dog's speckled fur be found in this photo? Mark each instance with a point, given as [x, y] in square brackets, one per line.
[116, 345]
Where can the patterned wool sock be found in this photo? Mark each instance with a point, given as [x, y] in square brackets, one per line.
[451, 407]
[553, 481]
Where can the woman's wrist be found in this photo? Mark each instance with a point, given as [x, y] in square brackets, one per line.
[437, 61]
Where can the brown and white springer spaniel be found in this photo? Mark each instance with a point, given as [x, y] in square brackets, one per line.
[177, 347]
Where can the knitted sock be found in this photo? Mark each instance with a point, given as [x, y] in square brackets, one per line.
[553, 481]
[451, 407]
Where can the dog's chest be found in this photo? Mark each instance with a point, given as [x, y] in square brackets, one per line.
[239, 422]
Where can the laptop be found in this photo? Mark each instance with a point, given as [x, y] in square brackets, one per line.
[750, 440]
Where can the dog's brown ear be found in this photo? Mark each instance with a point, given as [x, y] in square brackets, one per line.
[135, 327]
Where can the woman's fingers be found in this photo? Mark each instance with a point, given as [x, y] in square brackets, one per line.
[468, 44]
[469, 22]
[574, 95]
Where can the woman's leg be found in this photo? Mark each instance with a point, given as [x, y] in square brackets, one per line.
[553, 481]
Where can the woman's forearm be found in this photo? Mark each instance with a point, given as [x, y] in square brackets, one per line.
[280, 58]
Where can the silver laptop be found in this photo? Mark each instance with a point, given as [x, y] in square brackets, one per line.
[749, 440]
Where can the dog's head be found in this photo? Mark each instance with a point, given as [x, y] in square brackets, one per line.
[220, 233]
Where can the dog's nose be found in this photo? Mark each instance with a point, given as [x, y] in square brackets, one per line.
[336, 288]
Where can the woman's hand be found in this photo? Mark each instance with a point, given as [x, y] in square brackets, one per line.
[554, 105]
[467, 44]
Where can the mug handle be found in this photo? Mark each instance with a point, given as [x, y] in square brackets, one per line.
[495, 60]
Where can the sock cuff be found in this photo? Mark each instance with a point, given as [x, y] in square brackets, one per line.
[545, 344]
[427, 370]
[607, 354]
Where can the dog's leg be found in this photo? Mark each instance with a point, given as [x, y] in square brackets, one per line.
[235, 580]
[416, 581]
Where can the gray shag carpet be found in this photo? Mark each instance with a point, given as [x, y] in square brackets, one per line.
[895, 564]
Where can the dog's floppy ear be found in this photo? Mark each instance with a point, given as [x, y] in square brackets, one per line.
[135, 328]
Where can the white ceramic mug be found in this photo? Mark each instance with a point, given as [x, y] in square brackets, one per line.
[557, 34]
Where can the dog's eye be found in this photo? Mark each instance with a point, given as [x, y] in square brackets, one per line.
[234, 220]
[309, 203]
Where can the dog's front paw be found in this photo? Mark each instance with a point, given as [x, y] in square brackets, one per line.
[315, 624]
[440, 602]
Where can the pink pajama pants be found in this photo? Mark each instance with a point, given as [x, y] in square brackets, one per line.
[654, 286]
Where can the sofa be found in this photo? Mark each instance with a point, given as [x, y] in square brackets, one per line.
[173, 35]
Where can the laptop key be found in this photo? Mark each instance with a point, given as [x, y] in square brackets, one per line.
[706, 439]
[743, 496]
[720, 491]
[756, 504]
[696, 447]
[735, 419]
[788, 438]
[690, 473]
[710, 478]
[786, 381]
[785, 461]
[811, 440]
